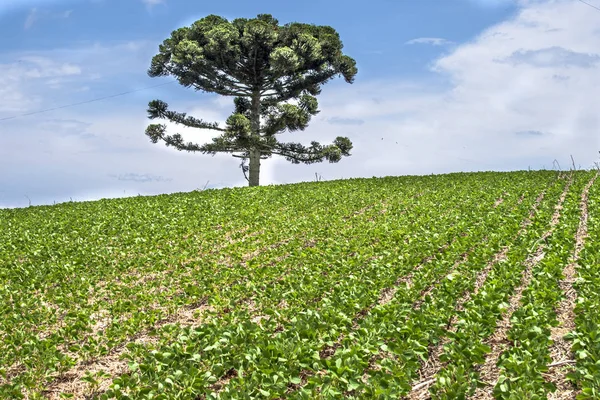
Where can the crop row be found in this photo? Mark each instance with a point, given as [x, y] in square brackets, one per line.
[313, 279]
[585, 339]
[304, 291]
[44, 352]
[523, 365]
[380, 358]
[452, 251]
[287, 345]
[468, 346]
[26, 344]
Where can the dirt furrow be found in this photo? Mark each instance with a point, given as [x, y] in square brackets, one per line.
[373, 366]
[102, 319]
[433, 365]
[498, 342]
[113, 364]
[72, 382]
[560, 350]
[500, 200]
[193, 315]
[101, 290]
[139, 274]
[387, 294]
[328, 351]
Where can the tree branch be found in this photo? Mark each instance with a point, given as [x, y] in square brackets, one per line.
[160, 109]
[297, 153]
[299, 158]
[157, 132]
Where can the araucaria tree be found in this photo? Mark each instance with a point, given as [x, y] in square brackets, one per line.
[274, 73]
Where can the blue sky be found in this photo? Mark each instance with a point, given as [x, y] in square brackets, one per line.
[374, 33]
[443, 86]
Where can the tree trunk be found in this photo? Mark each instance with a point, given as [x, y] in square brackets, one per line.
[254, 168]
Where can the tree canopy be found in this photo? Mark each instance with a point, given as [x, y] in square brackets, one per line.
[274, 72]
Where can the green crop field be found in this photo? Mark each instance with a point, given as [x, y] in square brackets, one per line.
[469, 285]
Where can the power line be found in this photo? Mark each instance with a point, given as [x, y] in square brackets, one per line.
[591, 5]
[86, 102]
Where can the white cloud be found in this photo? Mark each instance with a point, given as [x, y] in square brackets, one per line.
[431, 41]
[30, 20]
[25, 77]
[35, 15]
[553, 57]
[18, 80]
[152, 3]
